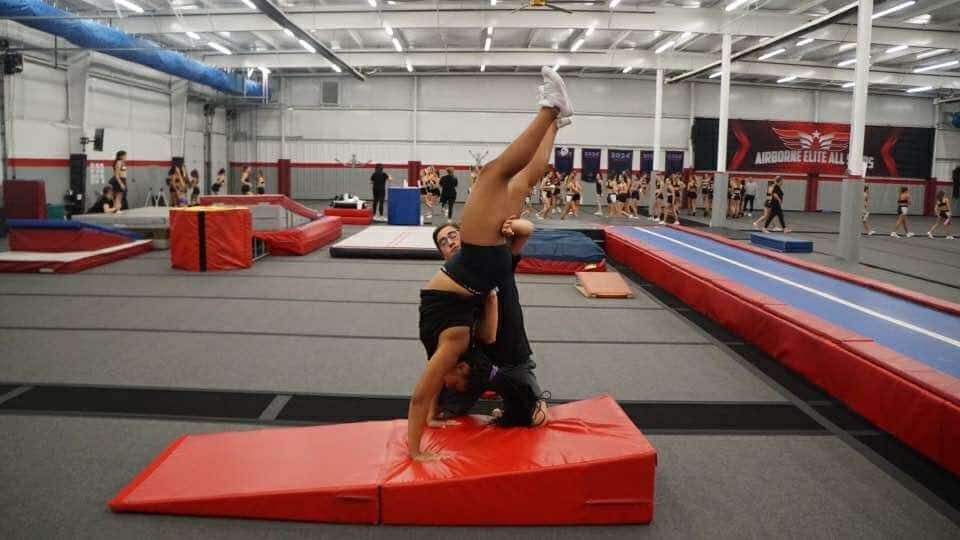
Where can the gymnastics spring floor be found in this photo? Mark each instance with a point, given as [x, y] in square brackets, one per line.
[100, 371]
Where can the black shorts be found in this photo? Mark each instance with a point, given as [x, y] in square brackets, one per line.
[215, 189]
[621, 197]
[245, 189]
[261, 191]
[634, 194]
[423, 191]
[518, 387]
[576, 197]
[599, 188]
[556, 192]
[669, 199]
[440, 310]
[435, 192]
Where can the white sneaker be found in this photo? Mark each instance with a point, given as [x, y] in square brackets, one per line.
[894, 234]
[554, 92]
[598, 213]
[662, 222]
[871, 233]
[910, 235]
[563, 122]
[930, 235]
[949, 238]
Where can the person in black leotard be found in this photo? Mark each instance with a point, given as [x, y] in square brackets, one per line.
[776, 205]
[942, 211]
[598, 180]
[452, 299]
[903, 208]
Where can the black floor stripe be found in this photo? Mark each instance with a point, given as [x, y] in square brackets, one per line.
[332, 336]
[938, 480]
[261, 407]
[197, 276]
[296, 300]
[912, 276]
[4, 388]
[140, 401]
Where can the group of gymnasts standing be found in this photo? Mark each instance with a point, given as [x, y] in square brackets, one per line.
[941, 210]
[441, 190]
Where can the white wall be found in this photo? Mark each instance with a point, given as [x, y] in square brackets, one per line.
[376, 119]
[136, 119]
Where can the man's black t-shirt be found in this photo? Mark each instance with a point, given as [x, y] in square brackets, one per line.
[379, 180]
[98, 207]
[448, 186]
[779, 193]
[512, 346]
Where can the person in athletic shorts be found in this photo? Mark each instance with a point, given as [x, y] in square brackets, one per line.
[451, 300]
[942, 210]
[598, 181]
[903, 208]
[865, 214]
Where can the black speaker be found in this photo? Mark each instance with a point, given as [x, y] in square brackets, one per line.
[75, 201]
[3, 224]
[98, 140]
[12, 63]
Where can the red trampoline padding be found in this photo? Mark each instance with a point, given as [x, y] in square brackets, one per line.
[531, 265]
[304, 239]
[207, 238]
[351, 216]
[72, 261]
[915, 403]
[48, 240]
[324, 473]
[250, 200]
[588, 465]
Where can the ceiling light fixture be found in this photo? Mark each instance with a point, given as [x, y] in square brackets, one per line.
[387, 29]
[613, 3]
[249, 4]
[715, 74]
[628, 69]
[307, 46]
[735, 4]
[919, 89]
[664, 47]
[787, 79]
[848, 84]
[771, 54]
[847, 62]
[409, 67]
[847, 46]
[896, 49]
[577, 45]
[218, 47]
[486, 44]
[288, 32]
[130, 5]
[397, 45]
[193, 35]
[929, 54]
[804, 42]
[483, 67]
[894, 9]
[925, 69]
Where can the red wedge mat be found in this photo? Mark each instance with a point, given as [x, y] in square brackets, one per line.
[590, 464]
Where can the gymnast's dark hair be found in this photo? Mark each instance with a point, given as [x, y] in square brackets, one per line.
[480, 368]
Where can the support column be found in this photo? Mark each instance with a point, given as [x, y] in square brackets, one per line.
[416, 100]
[718, 214]
[78, 89]
[178, 117]
[852, 195]
[284, 179]
[688, 161]
[657, 153]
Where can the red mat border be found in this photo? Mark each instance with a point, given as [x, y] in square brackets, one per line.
[920, 298]
[920, 405]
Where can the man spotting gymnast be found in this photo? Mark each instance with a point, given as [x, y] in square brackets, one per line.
[451, 301]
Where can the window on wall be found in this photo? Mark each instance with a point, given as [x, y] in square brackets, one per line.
[330, 93]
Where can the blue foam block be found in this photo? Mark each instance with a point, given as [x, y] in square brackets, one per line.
[781, 242]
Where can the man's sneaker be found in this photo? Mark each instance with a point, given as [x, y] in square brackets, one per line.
[554, 92]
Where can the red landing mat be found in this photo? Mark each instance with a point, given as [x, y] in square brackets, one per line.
[590, 464]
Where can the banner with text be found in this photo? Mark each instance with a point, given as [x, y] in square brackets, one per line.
[589, 163]
[563, 159]
[813, 147]
[619, 161]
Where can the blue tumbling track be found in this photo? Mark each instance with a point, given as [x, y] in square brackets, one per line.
[941, 353]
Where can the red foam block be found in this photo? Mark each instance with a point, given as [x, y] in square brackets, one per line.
[325, 473]
[351, 216]
[304, 239]
[532, 265]
[590, 464]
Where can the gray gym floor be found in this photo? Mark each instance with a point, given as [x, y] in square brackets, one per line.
[746, 450]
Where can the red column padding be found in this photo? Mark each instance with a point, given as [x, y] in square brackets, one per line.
[283, 177]
[413, 173]
[929, 196]
[24, 199]
[813, 190]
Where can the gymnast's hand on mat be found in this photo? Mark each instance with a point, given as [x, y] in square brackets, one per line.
[496, 413]
[429, 456]
[437, 423]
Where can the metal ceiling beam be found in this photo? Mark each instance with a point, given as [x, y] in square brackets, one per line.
[584, 58]
[705, 21]
[278, 17]
[806, 30]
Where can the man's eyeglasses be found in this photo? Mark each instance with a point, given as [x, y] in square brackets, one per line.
[445, 240]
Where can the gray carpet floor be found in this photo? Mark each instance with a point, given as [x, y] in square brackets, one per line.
[321, 325]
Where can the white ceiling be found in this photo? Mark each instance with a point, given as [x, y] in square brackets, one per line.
[450, 36]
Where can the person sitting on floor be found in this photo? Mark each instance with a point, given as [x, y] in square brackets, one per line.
[105, 204]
